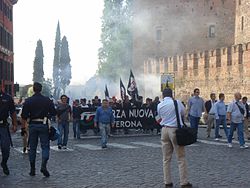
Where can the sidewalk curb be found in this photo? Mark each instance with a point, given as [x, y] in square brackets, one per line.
[118, 136]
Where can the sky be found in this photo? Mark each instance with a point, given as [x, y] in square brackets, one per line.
[80, 22]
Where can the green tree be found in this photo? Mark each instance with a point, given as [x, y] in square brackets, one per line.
[65, 73]
[38, 63]
[47, 87]
[56, 63]
[116, 51]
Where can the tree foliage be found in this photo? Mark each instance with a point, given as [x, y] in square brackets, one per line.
[115, 55]
[61, 64]
[38, 72]
[47, 87]
[65, 67]
[56, 63]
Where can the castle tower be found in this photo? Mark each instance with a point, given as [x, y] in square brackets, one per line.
[168, 27]
[242, 23]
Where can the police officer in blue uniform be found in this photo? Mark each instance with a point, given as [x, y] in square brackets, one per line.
[36, 112]
[7, 108]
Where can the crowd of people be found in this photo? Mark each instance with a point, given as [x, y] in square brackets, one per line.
[71, 112]
[213, 111]
[217, 113]
[37, 111]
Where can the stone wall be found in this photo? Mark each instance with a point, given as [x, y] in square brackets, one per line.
[168, 27]
[224, 70]
[242, 25]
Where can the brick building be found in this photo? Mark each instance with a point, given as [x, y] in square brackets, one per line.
[204, 42]
[6, 46]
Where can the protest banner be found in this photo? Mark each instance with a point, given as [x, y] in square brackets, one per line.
[131, 118]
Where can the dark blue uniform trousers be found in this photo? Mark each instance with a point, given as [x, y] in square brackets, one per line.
[38, 131]
[5, 143]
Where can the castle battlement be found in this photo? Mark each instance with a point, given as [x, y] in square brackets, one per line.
[218, 53]
[225, 69]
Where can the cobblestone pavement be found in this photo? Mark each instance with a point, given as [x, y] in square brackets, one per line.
[131, 162]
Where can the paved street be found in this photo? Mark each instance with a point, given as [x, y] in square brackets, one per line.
[131, 162]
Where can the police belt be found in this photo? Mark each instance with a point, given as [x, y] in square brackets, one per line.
[38, 121]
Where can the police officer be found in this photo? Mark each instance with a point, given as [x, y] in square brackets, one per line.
[7, 108]
[37, 110]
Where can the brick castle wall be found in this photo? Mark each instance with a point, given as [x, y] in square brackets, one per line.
[168, 27]
[224, 70]
[242, 26]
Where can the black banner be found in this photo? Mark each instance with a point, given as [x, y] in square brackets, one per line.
[132, 118]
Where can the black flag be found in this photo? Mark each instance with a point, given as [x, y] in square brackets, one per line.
[106, 93]
[132, 88]
[122, 90]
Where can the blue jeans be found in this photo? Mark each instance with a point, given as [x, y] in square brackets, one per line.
[239, 127]
[76, 128]
[104, 130]
[38, 131]
[194, 122]
[5, 143]
[63, 128]
[221, 121]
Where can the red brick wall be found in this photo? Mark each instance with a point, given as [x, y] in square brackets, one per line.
[4, 20]
[8, 25]
[226, 78]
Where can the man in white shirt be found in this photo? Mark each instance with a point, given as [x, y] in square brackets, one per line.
[235, 114]
[166, 111]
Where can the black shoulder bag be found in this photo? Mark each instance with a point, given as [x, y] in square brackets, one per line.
[184, 135]
[242, 111]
